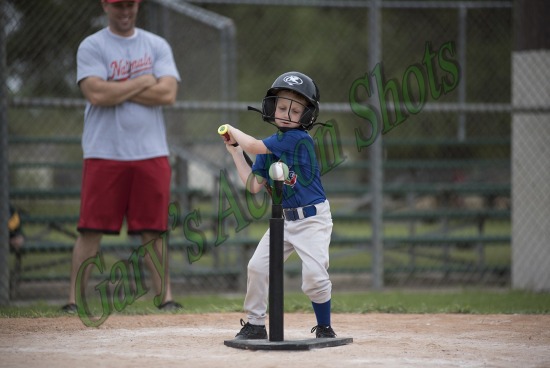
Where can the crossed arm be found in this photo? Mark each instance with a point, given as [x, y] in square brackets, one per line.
[145, 89]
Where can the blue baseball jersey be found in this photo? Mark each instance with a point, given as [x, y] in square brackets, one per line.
[296, 149]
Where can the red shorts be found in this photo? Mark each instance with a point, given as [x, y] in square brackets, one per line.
[137, 190]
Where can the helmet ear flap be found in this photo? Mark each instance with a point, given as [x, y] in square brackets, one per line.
[268, 108]
[307, 117]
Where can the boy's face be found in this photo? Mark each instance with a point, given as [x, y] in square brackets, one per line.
[289, 109]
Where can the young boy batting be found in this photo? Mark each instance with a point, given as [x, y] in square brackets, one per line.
[292, 105]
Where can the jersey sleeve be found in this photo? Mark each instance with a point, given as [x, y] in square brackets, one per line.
[165, 64]
[89, 61]
[285, 146]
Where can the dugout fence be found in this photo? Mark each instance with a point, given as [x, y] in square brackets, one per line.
[427, 202]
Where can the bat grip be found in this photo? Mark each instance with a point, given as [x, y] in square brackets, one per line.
[222, 130]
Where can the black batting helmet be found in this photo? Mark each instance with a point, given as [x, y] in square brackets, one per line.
[299, 83]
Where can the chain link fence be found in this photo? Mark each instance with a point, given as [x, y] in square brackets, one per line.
[416, 162]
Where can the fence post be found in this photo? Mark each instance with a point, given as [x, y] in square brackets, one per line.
[377, 176]
[530, 154]
[462, 38]
[4, 181]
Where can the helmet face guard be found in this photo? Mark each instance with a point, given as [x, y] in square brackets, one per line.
[300, 84]
[270, 103]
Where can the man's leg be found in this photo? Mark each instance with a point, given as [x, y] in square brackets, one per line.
[86, 246]
[156, 278]
[147, 214]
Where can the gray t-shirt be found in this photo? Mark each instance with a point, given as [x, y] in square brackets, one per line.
[128, 131]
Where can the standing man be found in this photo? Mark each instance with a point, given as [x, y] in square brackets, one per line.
[126, 74]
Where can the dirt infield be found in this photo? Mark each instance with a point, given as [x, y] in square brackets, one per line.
[194, 340]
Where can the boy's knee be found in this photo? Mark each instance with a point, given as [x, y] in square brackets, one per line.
[254, 269]
[318, 290]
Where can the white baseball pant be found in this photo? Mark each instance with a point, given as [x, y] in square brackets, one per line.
[310, 238]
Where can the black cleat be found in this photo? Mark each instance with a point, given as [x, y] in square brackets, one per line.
[170, 306]
[70, 308]
[323, 332]
[251, 332]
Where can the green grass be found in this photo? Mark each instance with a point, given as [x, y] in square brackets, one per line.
[468, 301]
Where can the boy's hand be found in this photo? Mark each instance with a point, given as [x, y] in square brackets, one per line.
[232, 148]
[225, 132]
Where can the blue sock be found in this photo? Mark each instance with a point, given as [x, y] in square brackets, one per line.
[322, 313]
